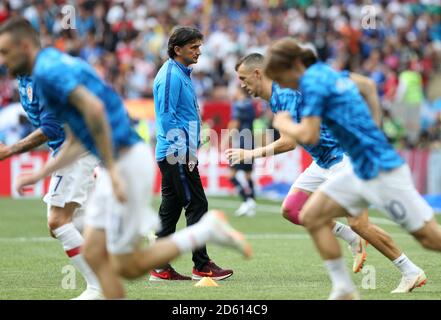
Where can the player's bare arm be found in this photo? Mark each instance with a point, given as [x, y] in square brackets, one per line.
[307, 131]
[69, 152]
[281, 145]
[92, 109]
[226, 139]
[33, 140]
[368, 90]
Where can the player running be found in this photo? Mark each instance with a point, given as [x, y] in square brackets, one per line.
[118, 214]
[329, 160]
[69, 187]
[378, 175]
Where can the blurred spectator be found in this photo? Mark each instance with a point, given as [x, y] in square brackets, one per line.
[126, 41]
[393, 129]
[91, 52]
[409, 99]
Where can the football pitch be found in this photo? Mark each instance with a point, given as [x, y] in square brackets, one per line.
[285, 264]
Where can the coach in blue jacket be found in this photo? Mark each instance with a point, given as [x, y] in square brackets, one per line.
[178, 124]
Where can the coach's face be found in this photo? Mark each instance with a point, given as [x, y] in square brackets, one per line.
[190, 52]
[13, 53]
[250, 80]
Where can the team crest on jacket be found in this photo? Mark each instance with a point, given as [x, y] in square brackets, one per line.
[29, 92]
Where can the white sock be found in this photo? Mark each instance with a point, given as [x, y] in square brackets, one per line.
[191, 238]
[405, 266]
[339, 275]
[344, 232]
[72, 241]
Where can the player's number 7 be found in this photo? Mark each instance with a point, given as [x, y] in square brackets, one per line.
[58, 182]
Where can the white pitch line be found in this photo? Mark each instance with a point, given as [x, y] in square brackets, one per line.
[27, 239]
[287, 236]
[250, 236]
[269, 208]
[233, 204]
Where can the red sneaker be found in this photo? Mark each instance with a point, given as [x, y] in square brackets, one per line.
[167, 274]
[213, 271]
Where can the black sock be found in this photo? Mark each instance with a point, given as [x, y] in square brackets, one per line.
[251, 185]
[239, 187]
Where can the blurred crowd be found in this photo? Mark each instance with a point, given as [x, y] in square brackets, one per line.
[397, 43]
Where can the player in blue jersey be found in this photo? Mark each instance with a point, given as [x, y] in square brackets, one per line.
[69, 187]
[178, 128]
[329, 160]
[242, 136]
[378, 176]
[118, 214]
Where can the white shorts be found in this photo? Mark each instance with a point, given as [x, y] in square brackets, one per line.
[126, 223]
[72, 183]
[392, 192]
[314, 175]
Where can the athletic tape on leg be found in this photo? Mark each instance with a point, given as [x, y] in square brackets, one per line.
[293, 204]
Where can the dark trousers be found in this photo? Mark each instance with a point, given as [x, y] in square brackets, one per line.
[182, 188]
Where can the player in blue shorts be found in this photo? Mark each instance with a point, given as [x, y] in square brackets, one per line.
[119, 213]
[378, 175]
[329, 160]
[69, 187]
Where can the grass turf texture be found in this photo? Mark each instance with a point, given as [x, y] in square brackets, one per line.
[285, 264]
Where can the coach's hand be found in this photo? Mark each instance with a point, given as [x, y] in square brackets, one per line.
[281, 120]
[5, 151]
[25, 180]
[117, 185]
[236, 156]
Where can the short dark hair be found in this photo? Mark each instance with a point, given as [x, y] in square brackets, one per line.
[20, 28]
[182, 36]
[253, 59]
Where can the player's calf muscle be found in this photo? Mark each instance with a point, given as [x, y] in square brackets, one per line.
[60, 216]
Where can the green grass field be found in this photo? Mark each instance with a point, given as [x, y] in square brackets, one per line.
[285, 263]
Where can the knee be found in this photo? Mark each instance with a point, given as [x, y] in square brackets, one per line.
[429, 237]
[94, 256]
[357, 225]
[426, 242]
[292, 206]
[58, 218]
[291, 214]
[285, 213]
[54, 222]
[127, 269]
[127, 272]
[430, 243]
[309, 220]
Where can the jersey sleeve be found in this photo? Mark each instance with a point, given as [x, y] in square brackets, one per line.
[167, 94]
[50, 125]
[314, 95]
[286, 100]
[346, 73]
[58, 79]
